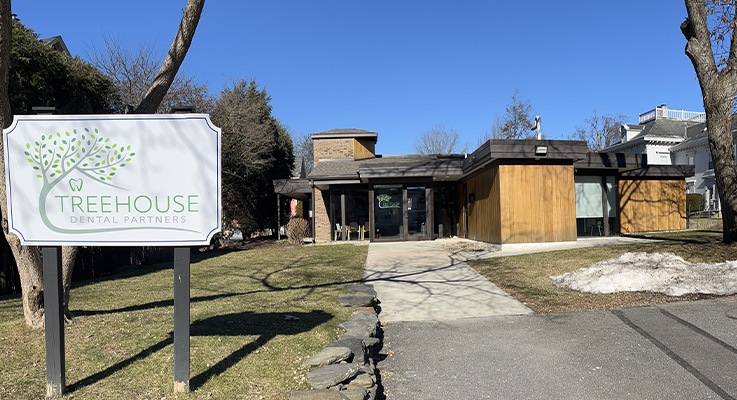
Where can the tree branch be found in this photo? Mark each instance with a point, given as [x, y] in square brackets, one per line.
[178, 50]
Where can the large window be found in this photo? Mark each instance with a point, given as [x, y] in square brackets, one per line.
[590, 204]
[349, 214]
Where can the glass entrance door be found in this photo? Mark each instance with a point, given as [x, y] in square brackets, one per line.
[401, 213]
[416, 212]
[388, 216]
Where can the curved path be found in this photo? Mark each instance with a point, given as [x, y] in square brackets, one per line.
[422, 281]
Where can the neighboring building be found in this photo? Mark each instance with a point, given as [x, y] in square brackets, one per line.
[507, 191]
[695, 151]
[656, 133]
[57, 43]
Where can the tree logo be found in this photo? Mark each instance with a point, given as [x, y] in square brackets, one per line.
[54, 157]
[385, 201]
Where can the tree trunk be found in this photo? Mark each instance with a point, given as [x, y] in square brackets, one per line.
[68, 258]
[28, 259]
[174, 58]
[718, 89]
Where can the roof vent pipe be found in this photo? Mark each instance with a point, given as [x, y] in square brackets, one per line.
[537, 127]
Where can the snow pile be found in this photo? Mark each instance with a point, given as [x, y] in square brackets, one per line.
[655, 272]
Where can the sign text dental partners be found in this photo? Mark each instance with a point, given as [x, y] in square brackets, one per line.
[113, 179]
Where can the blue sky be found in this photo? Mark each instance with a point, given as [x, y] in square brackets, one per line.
[402, 67]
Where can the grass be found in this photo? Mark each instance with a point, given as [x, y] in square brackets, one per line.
[119, 344]
[527, 277]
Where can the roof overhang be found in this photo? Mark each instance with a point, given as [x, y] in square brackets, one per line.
[299, 189]
[449, 169]
[525, 151]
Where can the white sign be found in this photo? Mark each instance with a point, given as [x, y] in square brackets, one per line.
[113, 180]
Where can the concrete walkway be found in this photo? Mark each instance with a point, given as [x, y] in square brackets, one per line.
[423, 281]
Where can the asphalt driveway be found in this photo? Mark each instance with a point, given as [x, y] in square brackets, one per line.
[675, 351]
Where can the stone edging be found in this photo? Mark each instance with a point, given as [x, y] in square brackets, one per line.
[346, 368]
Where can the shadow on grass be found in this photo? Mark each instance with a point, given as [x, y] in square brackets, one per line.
[129, 271]
[701, 239]
[264, 325]
[151, 305]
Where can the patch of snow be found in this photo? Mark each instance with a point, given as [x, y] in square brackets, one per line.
[664, 273]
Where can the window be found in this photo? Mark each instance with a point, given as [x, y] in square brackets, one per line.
[663, 158]
[689, 158]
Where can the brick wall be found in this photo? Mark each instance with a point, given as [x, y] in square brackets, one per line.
[333, 148]
[321, 218]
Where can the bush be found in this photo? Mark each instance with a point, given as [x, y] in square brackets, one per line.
[694, 202]
[297, 230]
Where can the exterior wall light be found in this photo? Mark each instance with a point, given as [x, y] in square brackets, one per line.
[541, 150]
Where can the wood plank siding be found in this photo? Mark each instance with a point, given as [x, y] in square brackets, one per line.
[651, 205]
[363, 149]
[538, 203]
[521, 204]
[484, 215]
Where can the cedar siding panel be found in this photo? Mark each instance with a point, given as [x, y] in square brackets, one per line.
[521, 204]
[538, 203]
[484, 215]
[363, 149]
[652, 205]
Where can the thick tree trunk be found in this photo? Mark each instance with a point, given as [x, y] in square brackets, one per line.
[725, 169]
[68, 258]
[718, 88]
[28, 259]
[178, 50]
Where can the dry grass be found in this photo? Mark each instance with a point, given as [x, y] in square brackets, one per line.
[527, 277]
[242, 347]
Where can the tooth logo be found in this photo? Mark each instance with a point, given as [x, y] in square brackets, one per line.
[75, 184]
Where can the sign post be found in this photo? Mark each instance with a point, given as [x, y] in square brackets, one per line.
[113, 180]
[181, 319]
[54, 321]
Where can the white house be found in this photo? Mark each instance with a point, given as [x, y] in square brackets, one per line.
[657, 131]
[695, 151]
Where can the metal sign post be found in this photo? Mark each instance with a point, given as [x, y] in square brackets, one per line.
[181, 319]
[54, 322]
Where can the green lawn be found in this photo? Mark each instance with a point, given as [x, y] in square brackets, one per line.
[119, 345]
[527, 277]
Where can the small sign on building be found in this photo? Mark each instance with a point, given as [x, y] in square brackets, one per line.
[113, 180]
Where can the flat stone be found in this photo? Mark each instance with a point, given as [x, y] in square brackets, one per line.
[365, 316]
[355, 344]
[370, 341]
[368, 309]
[361, 380]
[326, 377]
[360, 328]
[372, 393]
[356, 300]
[354, 394]
[323, 394]
[328, 355]
[361, 288]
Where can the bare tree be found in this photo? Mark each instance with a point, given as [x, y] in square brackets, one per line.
[303, 148]
[600, 131]
[134, 71]
[28, 258]
[709, 30]
[439, 140]
[516, 122]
